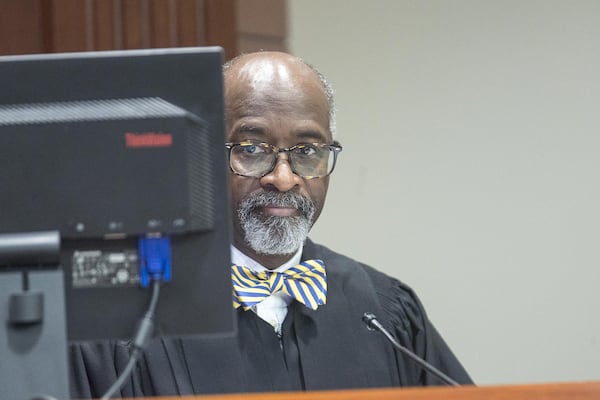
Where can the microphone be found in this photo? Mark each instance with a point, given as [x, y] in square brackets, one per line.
[373, 325]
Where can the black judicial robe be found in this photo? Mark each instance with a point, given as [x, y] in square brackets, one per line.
[329, 348]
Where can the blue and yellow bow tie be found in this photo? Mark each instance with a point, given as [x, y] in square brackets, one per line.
[306, 282]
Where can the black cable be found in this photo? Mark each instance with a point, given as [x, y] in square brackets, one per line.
[140, 340]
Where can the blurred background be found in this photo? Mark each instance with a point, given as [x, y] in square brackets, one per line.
[471, 133]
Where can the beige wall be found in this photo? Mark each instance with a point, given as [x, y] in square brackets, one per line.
[471, 168]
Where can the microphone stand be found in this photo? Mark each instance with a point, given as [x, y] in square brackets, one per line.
[373, 325]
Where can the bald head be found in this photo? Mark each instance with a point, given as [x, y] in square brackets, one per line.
[270, 73]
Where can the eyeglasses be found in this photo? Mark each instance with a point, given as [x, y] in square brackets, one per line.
[257, 159]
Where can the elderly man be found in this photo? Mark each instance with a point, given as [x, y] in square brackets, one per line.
[291, 336]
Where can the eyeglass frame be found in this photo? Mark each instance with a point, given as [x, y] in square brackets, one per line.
[334, 147]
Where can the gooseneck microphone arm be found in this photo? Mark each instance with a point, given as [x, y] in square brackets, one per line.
[373, 325]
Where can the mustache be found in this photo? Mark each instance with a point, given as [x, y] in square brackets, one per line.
[279, 199]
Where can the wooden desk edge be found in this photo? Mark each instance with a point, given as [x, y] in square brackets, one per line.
[546, 391]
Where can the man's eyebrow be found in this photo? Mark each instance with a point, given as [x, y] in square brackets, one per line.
[248, 128]
[311, 135]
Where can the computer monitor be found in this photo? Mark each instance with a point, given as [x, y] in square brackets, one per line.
[106, 148]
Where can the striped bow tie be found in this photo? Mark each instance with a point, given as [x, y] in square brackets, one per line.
[306, 282]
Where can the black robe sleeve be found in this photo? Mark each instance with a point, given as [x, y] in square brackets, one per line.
[405, 316]
[95, 366]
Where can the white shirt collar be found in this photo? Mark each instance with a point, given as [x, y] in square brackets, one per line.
[239, 258]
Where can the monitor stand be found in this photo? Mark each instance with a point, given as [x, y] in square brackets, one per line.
[33, 338]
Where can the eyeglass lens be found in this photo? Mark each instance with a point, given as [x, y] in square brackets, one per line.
[306, 160]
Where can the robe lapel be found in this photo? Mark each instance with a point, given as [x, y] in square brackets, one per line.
[250, 361]
[336, 350]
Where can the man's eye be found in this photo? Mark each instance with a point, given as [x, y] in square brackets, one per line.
[252, 149]
[306, 150]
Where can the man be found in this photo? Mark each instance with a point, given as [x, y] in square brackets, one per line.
[279, 114]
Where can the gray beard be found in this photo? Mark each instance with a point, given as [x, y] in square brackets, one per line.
[273, 235]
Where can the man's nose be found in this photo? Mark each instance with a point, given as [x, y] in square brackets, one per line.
[281, 177]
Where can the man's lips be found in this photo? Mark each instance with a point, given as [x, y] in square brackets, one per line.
[278, 211]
